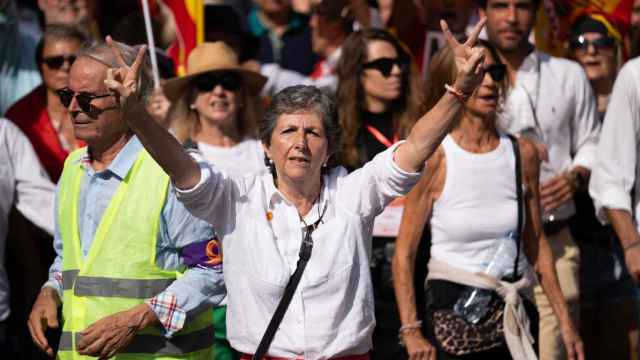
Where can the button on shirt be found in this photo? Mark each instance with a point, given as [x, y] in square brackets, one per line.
[552, 100]
[332, 311]
[25, 184]
[615, 173]
[200, 286]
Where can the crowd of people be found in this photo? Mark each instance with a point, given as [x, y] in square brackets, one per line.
[319, 179]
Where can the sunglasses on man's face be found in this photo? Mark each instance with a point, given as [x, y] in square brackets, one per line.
[496, 71]
[84, 101]
[56, 62]
[385, 65]
[229, 81]
[582, 43]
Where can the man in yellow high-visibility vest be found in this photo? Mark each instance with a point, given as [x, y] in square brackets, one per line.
[136, 274]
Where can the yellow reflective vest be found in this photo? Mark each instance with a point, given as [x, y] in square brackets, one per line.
[120, 270]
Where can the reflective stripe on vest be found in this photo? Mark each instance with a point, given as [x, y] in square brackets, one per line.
[68, 277]
[126, 288]
[157, 345]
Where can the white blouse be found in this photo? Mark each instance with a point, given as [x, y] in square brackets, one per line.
[332, 311]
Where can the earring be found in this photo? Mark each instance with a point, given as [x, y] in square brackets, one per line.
[192, 106]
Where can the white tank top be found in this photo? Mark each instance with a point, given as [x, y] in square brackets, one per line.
[477, 208]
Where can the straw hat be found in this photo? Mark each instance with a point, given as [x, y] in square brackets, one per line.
[212, 57]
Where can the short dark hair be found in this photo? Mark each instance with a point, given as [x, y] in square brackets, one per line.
[483, 3]
[59, 32]
[304, 99]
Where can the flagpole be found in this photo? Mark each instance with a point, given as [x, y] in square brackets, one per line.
[152, 45]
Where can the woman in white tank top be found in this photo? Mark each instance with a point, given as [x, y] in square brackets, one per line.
[468, 195]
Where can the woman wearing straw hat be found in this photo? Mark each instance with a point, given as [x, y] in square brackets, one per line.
[305, 214]
[215, 108]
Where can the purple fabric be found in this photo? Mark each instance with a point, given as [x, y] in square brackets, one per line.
[204, 253]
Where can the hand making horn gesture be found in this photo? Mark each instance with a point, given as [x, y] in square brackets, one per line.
[468, 57]
[123, 80]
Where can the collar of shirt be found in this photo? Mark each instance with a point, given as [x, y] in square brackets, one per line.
[123, 162]
[275, 196]
[257, 28]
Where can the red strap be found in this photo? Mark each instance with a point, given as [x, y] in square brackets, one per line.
[380, 136]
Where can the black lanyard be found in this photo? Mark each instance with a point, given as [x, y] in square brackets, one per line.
[303, 257]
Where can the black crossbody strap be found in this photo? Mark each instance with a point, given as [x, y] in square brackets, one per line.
[519, 193]
[305, 254]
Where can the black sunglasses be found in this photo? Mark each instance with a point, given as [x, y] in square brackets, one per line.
[84, 101]
[56, 62]
[228, 80]
[581, 43]
[385, 65]
[496, 71]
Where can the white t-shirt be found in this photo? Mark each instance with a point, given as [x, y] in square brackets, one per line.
[247, 157]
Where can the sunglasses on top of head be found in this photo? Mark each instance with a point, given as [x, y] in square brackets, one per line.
[385, 65]
[56, 62]
[582, 43]
[84, 101]
[496, 71]
[228, 80]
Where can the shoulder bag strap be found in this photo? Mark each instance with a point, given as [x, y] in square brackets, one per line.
[519, 235]
[305, 254]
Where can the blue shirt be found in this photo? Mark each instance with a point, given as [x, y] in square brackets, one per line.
[200, 286]
[18, 69]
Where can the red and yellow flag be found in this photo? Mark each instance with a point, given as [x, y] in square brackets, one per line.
[189, 19]
[556, 17]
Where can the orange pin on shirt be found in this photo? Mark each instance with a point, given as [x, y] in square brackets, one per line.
[269, 216]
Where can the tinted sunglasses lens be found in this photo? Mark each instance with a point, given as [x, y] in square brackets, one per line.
[55, 62]
[205, 84]
[65, 97]
[497, 72]
[603, 43]
[383, 65]
[84, 102]
[229, 81]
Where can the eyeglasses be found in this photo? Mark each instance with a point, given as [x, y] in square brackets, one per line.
[581, 43]
[385, 65]
[56, 62]
[84, 101]
[496, 71]
[228, 80]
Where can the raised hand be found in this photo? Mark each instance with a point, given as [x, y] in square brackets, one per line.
[468, 57]
[123, 80]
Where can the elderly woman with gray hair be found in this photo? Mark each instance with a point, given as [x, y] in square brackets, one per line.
[305, 214]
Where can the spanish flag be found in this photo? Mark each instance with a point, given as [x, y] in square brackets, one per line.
[556, 17]
[189, 19]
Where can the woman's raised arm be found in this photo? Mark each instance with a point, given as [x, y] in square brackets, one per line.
[163, 147]
[431, 128]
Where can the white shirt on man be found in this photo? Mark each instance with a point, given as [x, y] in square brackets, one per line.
[552, 101]
[615, 173]
[25, 184]
[332, 312]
